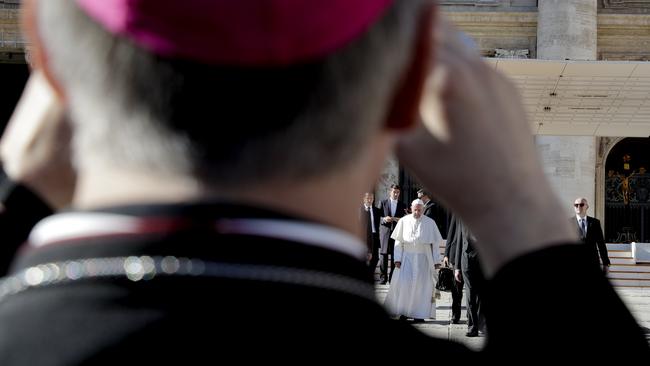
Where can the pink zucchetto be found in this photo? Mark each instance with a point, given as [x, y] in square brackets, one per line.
[238, 32]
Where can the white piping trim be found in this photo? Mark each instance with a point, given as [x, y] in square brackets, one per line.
[67, 226]
[301, 232]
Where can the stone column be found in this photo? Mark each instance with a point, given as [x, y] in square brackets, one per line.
[569, 163]
[566, 29]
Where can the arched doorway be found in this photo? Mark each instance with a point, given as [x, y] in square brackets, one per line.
[627, 191]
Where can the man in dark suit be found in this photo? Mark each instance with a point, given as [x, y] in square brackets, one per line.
[429, 205]
[391, 211]
[174, 230]
[449, 259]
[369, 215]
[471, 273]
[430, 211]
[591, 233]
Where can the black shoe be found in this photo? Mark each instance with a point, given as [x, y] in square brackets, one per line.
[382, 282]
[418, 320]
[471, 334]
[402, 318]
[455, 321]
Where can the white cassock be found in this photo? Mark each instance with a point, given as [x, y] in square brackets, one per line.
[417, 243]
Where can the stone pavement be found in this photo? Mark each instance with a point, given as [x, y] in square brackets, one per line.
[636, 299]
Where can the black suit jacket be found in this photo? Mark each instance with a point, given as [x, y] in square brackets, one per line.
[459, 241]
[225, 307]
[21, 209]
[594, 239]
[372, 241]
[429, 210]
[386, 229]
[450, 246]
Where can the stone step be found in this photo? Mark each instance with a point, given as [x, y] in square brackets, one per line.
[619, 254]
[629, 261]
[629, 275]
[630, 283]
[642, 268]
[626, 247]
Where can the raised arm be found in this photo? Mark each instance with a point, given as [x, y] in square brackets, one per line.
[37, 174]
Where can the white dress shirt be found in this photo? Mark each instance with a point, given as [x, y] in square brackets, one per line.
[372, 218]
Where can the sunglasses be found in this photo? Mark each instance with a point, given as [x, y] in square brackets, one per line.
[578, 205]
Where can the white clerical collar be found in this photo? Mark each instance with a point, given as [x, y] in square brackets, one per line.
[77, 225]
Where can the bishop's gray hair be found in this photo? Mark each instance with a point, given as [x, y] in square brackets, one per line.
[229, 126]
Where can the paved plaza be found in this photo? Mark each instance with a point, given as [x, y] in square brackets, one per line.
[637, 300]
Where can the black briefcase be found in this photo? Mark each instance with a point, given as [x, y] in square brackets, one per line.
[445, 279]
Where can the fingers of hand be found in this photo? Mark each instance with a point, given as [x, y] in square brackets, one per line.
[431, 108]
[34, 118]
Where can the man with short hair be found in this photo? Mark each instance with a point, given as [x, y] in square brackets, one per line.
[430, 211]
[174, 229]
[591, 233]
[428, 203]
[369, 216]
[392, 210]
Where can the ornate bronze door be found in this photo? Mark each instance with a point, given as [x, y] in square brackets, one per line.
[627, 192]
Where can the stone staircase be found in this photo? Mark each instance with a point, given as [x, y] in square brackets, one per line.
[624, 272]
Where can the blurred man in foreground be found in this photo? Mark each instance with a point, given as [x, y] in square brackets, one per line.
[210, 142]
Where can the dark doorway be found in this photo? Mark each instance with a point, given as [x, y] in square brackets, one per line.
[627, 192]
[14, 77]
[410, 187]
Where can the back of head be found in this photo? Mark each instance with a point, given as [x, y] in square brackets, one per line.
[226, 121]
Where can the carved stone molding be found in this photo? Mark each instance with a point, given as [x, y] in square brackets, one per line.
[511, 53]
[625, 4]
[624, 56]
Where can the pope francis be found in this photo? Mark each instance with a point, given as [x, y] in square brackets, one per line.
[417, 240]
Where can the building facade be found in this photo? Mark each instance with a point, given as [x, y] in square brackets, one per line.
[538, 43]
[579, 117]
